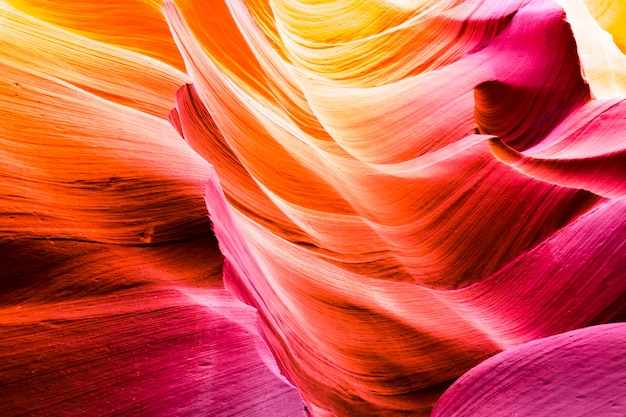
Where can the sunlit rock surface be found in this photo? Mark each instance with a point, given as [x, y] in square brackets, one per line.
[334, 208]
[577, 373]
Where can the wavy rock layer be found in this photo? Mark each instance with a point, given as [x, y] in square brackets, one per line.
[139, 331]
[111, 293]
[579, 373]
[400, 190]
[406, 190]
